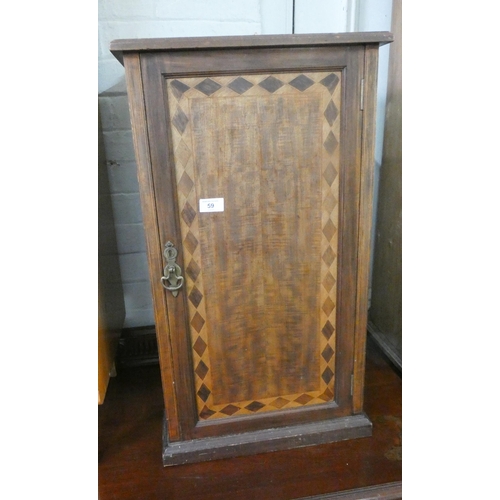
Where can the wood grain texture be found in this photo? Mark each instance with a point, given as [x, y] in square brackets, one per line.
[141, 139]
[262, 286]
[118, 47]
[351, 147]
[166, 218]
[299, 436]
[252, 61]
[365, 221]
[268, 144]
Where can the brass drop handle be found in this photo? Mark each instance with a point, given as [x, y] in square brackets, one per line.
[171, 279]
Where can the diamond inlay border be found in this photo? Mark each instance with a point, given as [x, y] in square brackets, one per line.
[327, 86]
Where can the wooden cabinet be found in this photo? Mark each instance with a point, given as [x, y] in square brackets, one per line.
[255, 162]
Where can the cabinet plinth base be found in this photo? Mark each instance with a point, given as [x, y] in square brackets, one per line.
[249, 443]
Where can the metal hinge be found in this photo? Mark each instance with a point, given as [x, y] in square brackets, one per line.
[352, 384]
[362, 103]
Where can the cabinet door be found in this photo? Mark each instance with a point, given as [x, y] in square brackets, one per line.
[255, 161]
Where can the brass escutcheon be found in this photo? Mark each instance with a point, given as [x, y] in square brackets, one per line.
[171, 279]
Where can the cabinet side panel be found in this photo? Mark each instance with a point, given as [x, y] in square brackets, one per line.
[365, 223]
[135, 92]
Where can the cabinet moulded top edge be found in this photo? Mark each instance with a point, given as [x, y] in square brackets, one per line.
[118, 47]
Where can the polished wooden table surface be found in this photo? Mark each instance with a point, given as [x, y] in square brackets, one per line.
[130, 447]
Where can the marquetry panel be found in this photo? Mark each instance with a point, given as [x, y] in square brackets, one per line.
[261, 277]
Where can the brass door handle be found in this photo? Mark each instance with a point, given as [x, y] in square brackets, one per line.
[172, 279]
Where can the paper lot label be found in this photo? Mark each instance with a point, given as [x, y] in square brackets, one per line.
[212, 205]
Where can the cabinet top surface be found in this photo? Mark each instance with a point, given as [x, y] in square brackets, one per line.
[118, 47]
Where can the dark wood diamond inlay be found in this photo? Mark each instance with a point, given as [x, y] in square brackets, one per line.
[301, 82]
[271, 84]
[206, 412]
[190, 242]
[329, 256]
[188, 213]
[280, 402]
[330, 143]
[193, 270]
[330, 82]
[178, 88]
[328, 306]
[230, 410]
[303, 399]
[208, 87]
[203, 392]
[240, 85]
[201, 369]
[197, 322]
[327, 375]
[195, 296]
[329, 230]
[331, 113]
[328, 330]
[330, 173]
[255, 406]
[327, 353]
[199, 346]
[180, 120]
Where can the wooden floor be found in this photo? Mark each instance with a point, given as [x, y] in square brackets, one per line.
[130, 442]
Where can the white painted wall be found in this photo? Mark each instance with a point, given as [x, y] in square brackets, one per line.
[276, 17]
[172, 18]
[375, 15]
[169, 18]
